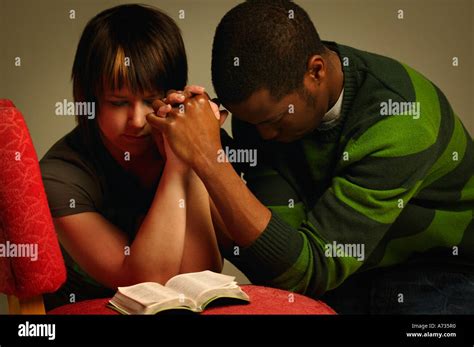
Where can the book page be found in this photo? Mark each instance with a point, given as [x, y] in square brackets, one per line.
[148, 293]
[195, 283]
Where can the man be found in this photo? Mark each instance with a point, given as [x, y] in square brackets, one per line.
[363, 190]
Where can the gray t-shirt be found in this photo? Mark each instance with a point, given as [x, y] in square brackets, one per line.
[79, 178]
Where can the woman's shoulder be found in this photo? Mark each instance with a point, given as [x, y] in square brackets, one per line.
[67, 147]
[68, 172]
[67, 153]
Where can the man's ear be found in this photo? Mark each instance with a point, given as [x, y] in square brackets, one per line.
[316, 70]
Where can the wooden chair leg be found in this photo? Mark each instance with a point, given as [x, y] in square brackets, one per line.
[32, 305]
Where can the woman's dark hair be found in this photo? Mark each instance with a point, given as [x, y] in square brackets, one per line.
[137, 46]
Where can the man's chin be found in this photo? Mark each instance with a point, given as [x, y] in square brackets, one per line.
[289, 139]
[285, 140]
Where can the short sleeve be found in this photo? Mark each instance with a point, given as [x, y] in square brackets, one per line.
[70, 187]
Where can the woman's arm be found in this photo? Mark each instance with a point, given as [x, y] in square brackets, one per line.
[201, 251]
[99, 247]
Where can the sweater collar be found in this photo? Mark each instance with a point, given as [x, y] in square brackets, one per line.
[348, 61]
[332, 116]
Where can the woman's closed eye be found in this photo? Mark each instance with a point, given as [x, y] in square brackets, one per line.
[149, 102]
[118, 103]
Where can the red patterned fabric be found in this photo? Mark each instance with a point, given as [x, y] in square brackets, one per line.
[25, 218]
[264, 300]
[6, 103]
[96, 306]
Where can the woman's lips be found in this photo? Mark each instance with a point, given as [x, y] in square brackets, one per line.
[136, 138]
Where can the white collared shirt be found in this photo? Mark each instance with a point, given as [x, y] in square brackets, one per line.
[331, 117]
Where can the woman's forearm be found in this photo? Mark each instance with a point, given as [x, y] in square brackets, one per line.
[201, 251]
[157, 250]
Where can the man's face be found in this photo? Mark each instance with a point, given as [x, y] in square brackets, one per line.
[284, 120]
[122, 120]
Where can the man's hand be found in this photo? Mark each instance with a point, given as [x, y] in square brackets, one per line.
[192, 129]
[175, 97]
[194, 136]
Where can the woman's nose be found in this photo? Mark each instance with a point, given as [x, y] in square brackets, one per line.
[137, 117]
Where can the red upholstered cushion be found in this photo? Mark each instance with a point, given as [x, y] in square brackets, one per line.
[6, 103]
[96, 306]
[264, 300]
[25, 218]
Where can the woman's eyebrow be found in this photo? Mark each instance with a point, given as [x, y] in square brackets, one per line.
[120, 96]
[116, 96]
[155, 95]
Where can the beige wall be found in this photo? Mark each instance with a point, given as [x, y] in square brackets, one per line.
[42, 34]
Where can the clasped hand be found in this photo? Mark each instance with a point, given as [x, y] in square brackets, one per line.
[190, 125]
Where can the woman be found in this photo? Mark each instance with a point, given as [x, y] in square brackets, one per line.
[125, 208]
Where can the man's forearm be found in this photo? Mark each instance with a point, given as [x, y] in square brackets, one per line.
[244, 216]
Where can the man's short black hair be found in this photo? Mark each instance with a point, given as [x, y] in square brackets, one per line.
[262, 44]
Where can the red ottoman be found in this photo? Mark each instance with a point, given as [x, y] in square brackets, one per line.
[263, 300]
[266, 300]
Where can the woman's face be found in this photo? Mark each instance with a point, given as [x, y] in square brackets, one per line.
[122, 121]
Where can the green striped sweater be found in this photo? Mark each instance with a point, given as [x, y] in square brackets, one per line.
[398, 187]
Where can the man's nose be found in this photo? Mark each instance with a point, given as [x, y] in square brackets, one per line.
[267, 132]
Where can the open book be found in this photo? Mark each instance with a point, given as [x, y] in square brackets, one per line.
[192, 291]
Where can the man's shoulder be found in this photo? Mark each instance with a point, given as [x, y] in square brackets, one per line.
[362, 58]
[383, 74]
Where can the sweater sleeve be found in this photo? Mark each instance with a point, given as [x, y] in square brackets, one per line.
[314, 249]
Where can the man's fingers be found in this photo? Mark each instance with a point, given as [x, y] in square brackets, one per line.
[215, 109]
[216, 101]
[193, 89]
[178, 96]
[157, 104]
[171, 91]
[161, 109]
[164, 110]
[175, 97]
[223, 116]
[156, 122]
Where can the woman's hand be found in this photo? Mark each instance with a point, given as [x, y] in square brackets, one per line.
[158, 138]
[171, 159]
[174, 97]
[202, 142]
[192, 130]
[165, 150]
